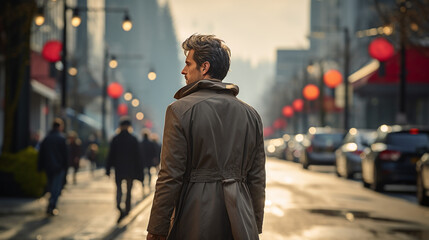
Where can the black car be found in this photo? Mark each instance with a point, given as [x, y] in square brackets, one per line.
[319, 146]
[422, 168]
[392, 158]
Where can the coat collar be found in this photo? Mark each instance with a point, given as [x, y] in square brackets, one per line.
[212, 84]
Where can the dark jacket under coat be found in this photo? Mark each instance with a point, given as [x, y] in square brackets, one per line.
[53, 153]
[124, 156]
[224, 194]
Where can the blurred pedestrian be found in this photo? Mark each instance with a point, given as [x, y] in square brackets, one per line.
[156, 160]
[53, 158]
[75, 151]
[124, 156]
[92, 156]
[35, 140]
[148, 151]
[211, 184]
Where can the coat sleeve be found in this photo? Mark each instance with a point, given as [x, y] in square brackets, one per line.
[256, 179]
[170, 178]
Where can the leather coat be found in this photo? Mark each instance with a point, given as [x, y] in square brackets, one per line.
[212, 179]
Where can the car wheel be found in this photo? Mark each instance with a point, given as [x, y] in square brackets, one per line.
[305, 165]
[377, 185]
[336, 172]
[421, 192]
[305, 162]
[349, 175]
[365, 184]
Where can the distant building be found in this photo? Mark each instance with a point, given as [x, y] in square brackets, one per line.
[150, 46]
[374, 100]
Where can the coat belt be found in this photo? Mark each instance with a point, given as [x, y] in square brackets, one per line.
[205, 176]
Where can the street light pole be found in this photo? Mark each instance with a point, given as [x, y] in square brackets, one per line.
[104, 95]
[321, 96]
[346, 80]
[401, 118]
[64, 62]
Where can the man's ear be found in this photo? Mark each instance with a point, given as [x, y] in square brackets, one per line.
[205, 67]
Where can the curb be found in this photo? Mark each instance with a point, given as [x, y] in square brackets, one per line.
[122, 225]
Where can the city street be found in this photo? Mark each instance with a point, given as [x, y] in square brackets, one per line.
[87, 210]
[316, 204]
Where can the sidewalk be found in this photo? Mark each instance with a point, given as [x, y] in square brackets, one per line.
[87, 211]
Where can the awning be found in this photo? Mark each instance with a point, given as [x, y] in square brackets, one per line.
[388, 73]
[43, 90]
[83, 118]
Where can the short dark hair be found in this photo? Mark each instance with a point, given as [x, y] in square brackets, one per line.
[211, 49]
[57, 123]
[124, 121]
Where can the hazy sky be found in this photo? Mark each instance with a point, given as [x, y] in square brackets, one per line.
[253, 29]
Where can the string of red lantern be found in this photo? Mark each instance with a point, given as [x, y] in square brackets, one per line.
[122, 109]
[381, 49]
[115, 90]
[332, 78]
[298, 105]
[287, 111]
[310, 92]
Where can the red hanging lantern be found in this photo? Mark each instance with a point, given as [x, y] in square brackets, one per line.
[279, 123]
[148, 124]
[287, 111]
[381, 49]
[310, 92]
[268, 131]
[332, 78]
[298, 105]
[122, 109]
[115, 90]
[52, 51]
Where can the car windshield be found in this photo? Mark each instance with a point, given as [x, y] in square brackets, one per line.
[408, 140]
[328, 139]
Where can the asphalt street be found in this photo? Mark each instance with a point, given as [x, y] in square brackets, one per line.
[300, 204]
[316, 204]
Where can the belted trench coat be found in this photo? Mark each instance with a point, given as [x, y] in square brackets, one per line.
[212, 179]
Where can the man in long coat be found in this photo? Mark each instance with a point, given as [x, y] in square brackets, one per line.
[53, 159]
[212, 179]
[124, 156]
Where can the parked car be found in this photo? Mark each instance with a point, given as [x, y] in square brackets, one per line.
[348, 155]
[319, 146]
[294, 148]
[422, 167]
[392, 158]
[275, 147]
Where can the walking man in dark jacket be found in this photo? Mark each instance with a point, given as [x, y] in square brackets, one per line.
[53, 159]
[212, 179]
[148, 154]
[124, 156]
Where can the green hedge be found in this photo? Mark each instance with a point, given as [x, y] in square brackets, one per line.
[23, 167]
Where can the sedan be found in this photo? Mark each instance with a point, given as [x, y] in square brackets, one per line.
[319, 146]
[348, 155]
[392, 158]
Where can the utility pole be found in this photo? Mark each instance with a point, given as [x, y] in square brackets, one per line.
[104, 95]
[321, 96]
[346, 80]
[64, 62]
[401, 118]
